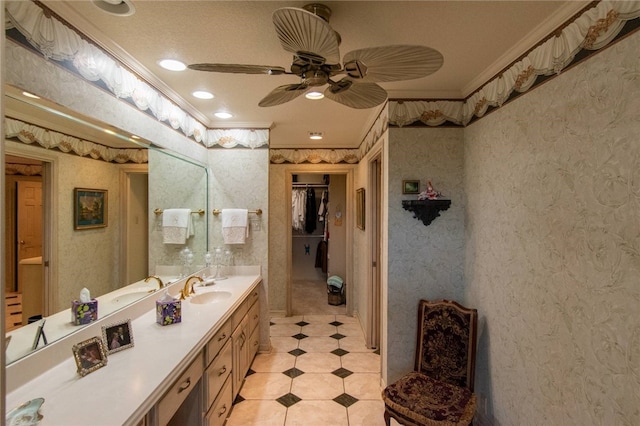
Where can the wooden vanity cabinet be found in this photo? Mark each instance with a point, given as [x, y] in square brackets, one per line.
[207, 388]
[187, 386]
[244, 349]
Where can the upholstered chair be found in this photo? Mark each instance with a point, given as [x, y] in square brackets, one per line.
[440, 389]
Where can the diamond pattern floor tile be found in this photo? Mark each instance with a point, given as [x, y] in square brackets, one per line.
[288, 400]
[326, 363]
[345, 400]
[297, 352]
[342, 372]
[293, 373]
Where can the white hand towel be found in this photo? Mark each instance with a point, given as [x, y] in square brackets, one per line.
[235, 225]
[176, 226]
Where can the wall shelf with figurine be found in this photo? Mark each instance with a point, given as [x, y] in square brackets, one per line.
[426, 210]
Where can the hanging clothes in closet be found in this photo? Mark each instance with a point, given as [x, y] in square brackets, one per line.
[310, 216]
[298, 208]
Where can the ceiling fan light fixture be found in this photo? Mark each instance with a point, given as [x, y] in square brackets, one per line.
[172, 65]
[314, 95]
[223, 114]
[315, 135]
[202, 94]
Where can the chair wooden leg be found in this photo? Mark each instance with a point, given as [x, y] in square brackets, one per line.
[387, 418]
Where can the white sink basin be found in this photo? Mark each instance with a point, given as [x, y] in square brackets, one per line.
[210, 297]
[131, 296]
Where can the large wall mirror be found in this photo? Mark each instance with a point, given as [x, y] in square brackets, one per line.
[51, 254]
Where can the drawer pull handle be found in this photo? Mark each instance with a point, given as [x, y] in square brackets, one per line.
[223, 410]
[222, 370]
[185, 385]
[224, 336]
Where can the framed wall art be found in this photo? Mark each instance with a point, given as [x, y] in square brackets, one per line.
[117, 336]
[410, 186]
[90, 355]
[90, 208]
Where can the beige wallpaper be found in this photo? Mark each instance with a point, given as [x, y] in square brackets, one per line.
[553, 247]
[175, 183]
[240, 179]
[423, 261]
[90, 257]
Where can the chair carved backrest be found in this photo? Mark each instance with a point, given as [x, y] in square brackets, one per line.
[446, 344]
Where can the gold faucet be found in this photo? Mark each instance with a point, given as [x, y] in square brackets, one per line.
[160, 283]
[187, 291]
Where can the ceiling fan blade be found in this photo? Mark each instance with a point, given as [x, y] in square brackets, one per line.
[392, 63]
[238, 68]
[302, 31]
[282, 94]
[356, 95]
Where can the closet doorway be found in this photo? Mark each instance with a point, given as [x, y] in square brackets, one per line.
[318, 244]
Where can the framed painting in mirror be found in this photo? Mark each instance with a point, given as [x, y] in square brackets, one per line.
[90, 208]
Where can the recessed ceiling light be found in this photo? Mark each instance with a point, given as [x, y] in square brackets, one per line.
[314, 95]
[30, 95]
[172, 65]
[135, 137]
[202, 94]
[111, 132]
[315, 135]
[223, 114]
[116, 7]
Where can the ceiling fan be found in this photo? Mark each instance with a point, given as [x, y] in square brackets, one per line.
[316, 60]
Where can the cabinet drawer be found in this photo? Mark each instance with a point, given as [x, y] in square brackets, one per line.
[254, 343]
[221, 407]
[169, 403]
[239, 314]
[217, 342]
[254, 316]
[218, 372]
[253, 297]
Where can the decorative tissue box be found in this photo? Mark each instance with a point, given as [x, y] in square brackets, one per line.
[84, 312]
[168, 312]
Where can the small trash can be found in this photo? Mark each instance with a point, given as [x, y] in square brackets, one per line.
[335, 290]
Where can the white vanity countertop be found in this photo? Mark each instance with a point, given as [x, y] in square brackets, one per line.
[124, 390]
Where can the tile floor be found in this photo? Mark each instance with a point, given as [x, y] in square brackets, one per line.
[319, 372]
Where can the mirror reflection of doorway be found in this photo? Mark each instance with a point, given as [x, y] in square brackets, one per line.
[24, 281]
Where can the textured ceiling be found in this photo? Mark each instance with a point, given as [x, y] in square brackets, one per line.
[477, 39]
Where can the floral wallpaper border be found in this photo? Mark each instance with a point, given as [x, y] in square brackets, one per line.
[60, 43]
[28, 134]
[593, 30]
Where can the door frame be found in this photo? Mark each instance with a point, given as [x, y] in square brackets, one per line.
[336, 169]
[125, 189]
[49, 217]
[374, 257]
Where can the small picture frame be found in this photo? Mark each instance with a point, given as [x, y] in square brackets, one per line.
[410, 186]
[117, 336]
[360, 211]
[90, 355]
[90, 208]
[39, 335]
